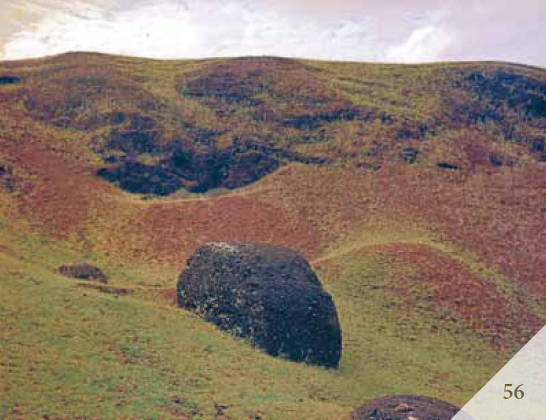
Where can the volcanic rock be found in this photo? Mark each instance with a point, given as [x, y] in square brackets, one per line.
[403, 407]
[446, 165]
[495, 160]
[267, 294]
[83, 272]
[9, 80]
[409, 154]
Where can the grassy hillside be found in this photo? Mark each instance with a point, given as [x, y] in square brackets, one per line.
[416, 192]
[71, 351]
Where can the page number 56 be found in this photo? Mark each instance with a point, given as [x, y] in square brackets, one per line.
[518, 393]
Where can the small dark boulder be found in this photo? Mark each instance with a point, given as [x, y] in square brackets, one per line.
[267, 294]
[9, 80]
[402, 407]
[537, 145]
[83, 272]
[495, 160]
[409, 154]
[4, 170]
[450, 166]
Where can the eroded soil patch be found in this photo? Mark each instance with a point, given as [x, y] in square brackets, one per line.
[442, 283]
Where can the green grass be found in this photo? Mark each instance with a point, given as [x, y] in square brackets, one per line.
[72, 352]
[372, 234]
[412, 95]
[68, 351]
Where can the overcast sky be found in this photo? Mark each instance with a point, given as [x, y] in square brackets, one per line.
[379, 30]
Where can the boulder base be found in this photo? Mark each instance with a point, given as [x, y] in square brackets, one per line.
[403, 407]
[267, 294]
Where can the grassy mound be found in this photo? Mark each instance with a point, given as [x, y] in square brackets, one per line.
[69, 351]
[414, 191]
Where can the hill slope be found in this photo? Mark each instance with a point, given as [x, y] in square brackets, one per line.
[415, 191]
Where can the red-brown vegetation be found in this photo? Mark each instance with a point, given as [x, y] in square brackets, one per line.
[436, 278]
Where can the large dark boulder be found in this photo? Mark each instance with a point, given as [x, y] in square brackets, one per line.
[267, 294]
[403, 407]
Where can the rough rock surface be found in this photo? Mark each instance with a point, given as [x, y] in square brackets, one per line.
[83, 272]
[403, 407]
[267, 294]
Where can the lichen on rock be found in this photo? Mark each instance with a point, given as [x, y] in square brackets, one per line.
[267, 294]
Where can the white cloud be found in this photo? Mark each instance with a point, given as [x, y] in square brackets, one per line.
[428, 43]
[164, 30]
[172, 29]
[360, 30]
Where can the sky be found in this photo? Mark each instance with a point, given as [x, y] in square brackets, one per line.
[401, 31]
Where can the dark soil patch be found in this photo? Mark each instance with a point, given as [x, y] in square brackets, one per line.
[140, 122]
[116, 291]
[267, 294]
[197, 170]
[230, 168]
[403, 407]
[280, 91]
[140, 178]
[83, 272]
[134, 142]
[537, 145]
[505, 88]
[418, 131]
[501, 98]
[117, 117]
